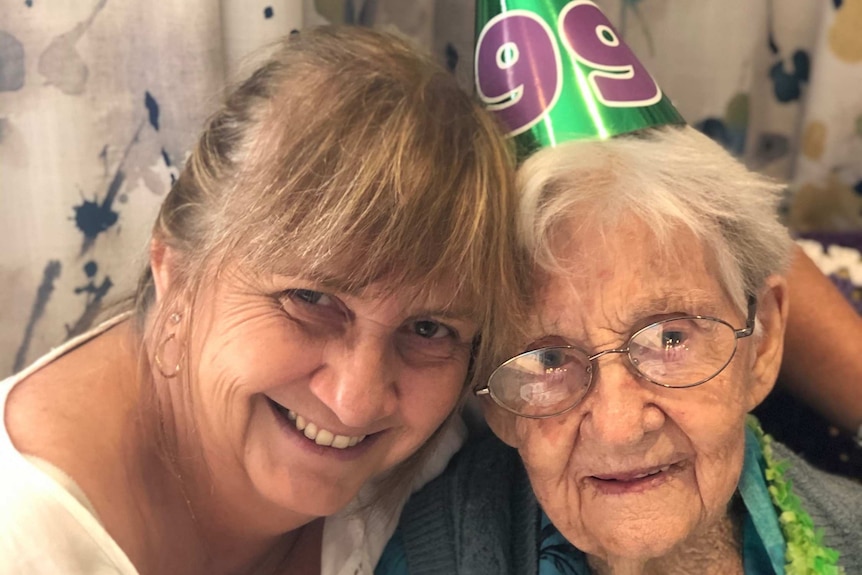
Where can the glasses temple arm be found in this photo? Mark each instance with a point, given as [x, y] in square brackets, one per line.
[749, 322]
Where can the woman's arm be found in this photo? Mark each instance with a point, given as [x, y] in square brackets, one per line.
[823, 347]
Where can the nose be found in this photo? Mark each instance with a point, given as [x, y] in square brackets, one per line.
[618, 411]
[359, 381]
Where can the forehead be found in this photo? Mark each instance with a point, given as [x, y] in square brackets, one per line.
[614, 277]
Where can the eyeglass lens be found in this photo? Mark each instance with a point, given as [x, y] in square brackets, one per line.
[679, 352]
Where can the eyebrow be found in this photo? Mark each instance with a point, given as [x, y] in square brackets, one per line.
[447, 309]
[463, 314]
[692, 301]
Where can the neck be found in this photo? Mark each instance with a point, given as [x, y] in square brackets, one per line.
[171, 516]
[715, 550]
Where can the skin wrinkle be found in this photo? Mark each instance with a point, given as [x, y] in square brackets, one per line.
[626, 423]
[230, 315]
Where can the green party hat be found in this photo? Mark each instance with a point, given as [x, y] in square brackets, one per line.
[557, 70]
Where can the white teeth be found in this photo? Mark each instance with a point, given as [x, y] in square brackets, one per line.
[341, 441]
[642, 475]
[322, 436]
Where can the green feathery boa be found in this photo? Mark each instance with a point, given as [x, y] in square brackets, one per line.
[806, 553]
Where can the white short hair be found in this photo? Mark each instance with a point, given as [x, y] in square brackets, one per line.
[666, 177]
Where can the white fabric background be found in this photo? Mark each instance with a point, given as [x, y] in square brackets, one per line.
[101, 99]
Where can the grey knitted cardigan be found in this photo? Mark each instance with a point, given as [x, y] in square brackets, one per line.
[481, 518]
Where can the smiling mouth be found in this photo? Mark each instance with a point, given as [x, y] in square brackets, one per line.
[635, 481]
[633, 476]
[317, 434]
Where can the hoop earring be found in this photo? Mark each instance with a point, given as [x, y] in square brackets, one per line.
[158, 357]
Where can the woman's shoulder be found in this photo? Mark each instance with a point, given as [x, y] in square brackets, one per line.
[70, 399]
[479, 516]
[484, 472]
[44, 529]
[483, 453]
[834, 504]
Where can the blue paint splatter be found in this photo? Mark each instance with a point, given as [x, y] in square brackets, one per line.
[451, 57]
[773, 47]
[167, 158]
[28, 3]
[153, 109]
[732, 138]
[858, 187]
[787, 84]
[91, 268]
[95, 296]
[103, 155]
[93, 218]
[367, 13]
[838, 3]
[768, 148]
[267, 12]
[12, 70]
[60, 63]
[43, 294]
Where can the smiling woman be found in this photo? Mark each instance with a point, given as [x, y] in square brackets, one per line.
[659, 315]
[309, 319]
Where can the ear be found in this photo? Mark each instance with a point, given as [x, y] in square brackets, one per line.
[501, 422]
[162, 262]
[772, 308]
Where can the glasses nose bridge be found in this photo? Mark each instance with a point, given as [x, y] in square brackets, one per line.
[593, 358]
[624, 351]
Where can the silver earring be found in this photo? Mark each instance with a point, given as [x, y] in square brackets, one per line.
[158, 357]
[174, 318]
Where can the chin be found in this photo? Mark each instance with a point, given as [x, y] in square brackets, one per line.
[305, 497]
[636, 543]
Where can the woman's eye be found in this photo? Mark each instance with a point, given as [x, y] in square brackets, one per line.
[311, 296]
[551, 358]
[672, 338]
[430, 329]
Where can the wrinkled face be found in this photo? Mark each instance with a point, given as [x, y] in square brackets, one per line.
[635, 468]
[302, 394]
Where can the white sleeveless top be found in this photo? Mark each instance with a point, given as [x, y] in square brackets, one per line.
[48, 527]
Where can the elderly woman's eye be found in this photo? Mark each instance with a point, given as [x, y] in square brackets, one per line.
[551, 358]
[673, 338]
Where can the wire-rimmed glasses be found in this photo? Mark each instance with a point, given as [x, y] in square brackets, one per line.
[679, 352]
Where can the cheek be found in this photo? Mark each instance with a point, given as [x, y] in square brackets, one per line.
[713, 422]
[718, 466]
[546, 445]
[428, 396]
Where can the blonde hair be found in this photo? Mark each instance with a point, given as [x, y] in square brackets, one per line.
[350, 159]
[666, 177]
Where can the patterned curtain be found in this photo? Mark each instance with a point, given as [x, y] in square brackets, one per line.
[100, 101]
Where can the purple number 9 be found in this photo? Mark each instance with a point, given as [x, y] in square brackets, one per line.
[618, 79]
[518, 70]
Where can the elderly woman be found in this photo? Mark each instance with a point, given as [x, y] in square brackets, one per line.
[659, 319]
[310, 316]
